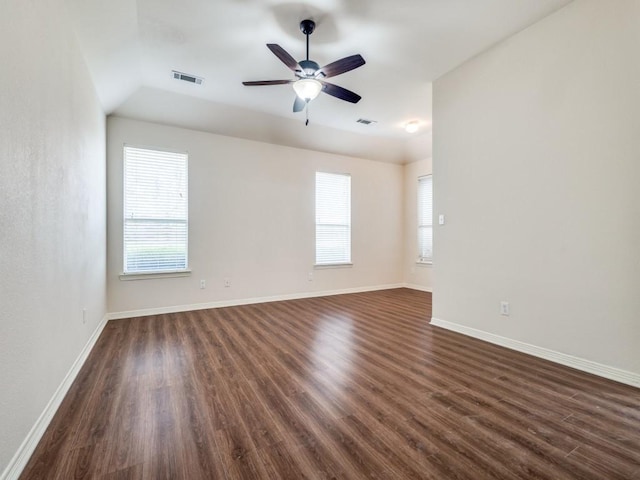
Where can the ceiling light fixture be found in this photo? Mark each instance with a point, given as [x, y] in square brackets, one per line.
[307, 88]
[412, 127]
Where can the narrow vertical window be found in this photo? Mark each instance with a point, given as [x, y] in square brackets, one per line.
[425, 219]
[155, 211]
[333, 219]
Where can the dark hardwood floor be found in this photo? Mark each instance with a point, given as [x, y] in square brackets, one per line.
[350, 386]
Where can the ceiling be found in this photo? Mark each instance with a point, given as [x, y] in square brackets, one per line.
[131, 47]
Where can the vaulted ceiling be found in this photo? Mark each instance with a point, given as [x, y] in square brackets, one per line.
[132, 46]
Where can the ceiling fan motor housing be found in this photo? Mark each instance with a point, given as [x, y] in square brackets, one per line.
[309, 67]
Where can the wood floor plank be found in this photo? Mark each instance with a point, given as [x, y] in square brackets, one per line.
[350, 386]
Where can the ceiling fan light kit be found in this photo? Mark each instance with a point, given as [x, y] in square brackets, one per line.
[309, 81]
[307, 88]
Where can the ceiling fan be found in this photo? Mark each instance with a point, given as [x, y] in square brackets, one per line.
[310, 76]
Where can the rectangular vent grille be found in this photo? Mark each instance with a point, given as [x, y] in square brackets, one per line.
[186, 77]
[364, 121]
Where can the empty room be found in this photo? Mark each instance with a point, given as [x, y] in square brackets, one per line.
[337, 239]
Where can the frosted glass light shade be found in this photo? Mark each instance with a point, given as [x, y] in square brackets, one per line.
[307, 88]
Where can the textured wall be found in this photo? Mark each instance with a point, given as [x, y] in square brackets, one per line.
[52, 212]
[536, 165]
[252, 219]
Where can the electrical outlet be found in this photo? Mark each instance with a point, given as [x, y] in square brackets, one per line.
[203, 284]
[227, 282]
[504, 308]
[310, 277]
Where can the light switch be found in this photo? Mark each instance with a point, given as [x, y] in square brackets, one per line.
[440, 219]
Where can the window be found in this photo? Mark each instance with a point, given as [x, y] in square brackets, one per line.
[425, 219]
[155, 211]
[333, 219]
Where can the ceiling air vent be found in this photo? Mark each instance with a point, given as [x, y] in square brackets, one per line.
[187, 77]
[364, 121]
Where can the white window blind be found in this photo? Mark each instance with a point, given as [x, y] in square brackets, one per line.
[155, 211]
[333, 218]
[425, 218]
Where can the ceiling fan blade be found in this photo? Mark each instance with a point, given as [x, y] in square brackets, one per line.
[284, 57]
[298, 104]
[267, 82]
[339, 92]
[340, 66]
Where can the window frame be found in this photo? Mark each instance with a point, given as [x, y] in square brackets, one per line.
[318, 263]
[158, 273]
[424, 259]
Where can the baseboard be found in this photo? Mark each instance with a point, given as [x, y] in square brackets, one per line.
[245, 301]
[612, 373]
[26, 449]
[413, 286]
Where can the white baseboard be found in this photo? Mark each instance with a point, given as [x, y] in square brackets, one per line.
[29, 444]
[612, 373]
[413, 286]
[245, 301]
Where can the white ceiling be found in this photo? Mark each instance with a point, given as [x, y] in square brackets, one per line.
[131, 47]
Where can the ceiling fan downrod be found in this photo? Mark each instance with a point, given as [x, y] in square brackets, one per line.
[307, 27]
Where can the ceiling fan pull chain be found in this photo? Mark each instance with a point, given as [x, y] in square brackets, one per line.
[306, 110]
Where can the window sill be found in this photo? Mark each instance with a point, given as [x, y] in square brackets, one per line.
[154, 275]
[424, 263]
[332, 265]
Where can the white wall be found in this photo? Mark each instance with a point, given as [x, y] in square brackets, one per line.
[251, 219]
[52, 212]
[416, 275]
[536, 165]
